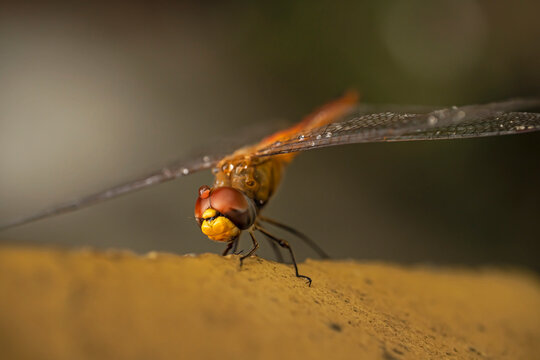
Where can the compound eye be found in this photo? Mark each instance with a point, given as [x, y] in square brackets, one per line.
[235, 205]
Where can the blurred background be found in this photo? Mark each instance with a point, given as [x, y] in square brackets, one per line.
[94, 94]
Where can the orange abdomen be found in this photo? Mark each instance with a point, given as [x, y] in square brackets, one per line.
[322, 116]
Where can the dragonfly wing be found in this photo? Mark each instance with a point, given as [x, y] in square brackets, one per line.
[448, 123]
[173, 171]
[497, 124]
[224, 145]
[361, 125]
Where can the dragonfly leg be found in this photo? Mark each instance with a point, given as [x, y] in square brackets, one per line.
[235, 246]
[228, 248]
[279, 257]
[253, 249]
[298, 234]
[285, 244]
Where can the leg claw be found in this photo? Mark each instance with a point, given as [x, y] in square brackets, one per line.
[307, 278]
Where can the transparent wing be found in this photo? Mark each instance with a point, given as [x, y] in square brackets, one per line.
[166, 173]
[189, 165]
[368, 123]
[448, 123]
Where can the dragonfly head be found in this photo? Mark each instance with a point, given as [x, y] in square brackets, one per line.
[223, 212]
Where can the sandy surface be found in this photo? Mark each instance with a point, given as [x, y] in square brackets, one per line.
[58, 304]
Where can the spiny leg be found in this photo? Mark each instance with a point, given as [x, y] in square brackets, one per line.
[299, 234]
[255, 247]
[285, 244]
[279, 256]
[235, 246]
[229, 246]
[273, 242]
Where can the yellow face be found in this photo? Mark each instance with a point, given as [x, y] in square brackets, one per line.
[218, 228]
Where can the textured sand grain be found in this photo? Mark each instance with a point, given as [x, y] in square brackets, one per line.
[59, 304]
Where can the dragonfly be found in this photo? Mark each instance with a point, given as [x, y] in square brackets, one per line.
[246, 179]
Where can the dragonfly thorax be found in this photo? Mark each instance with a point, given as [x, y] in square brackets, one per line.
[257, 178]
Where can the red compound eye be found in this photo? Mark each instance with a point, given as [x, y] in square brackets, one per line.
[228, 201]
[235, 205]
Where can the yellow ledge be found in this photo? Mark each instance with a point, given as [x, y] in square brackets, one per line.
[59, 304]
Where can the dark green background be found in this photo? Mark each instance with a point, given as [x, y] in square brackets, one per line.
[94, 94]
